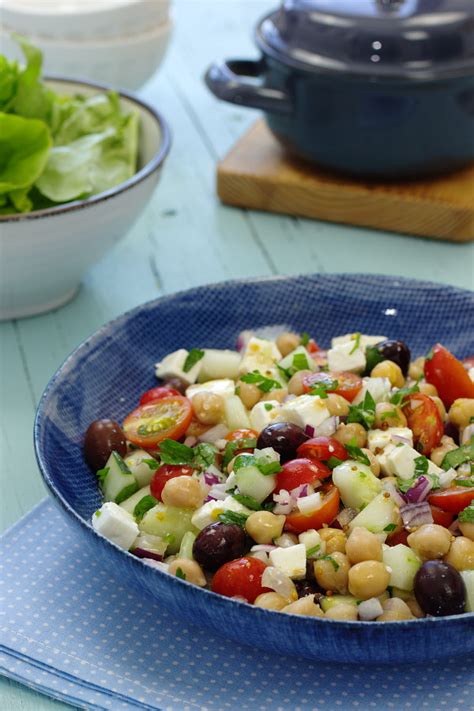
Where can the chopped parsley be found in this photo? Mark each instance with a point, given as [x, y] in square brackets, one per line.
[386, 415]
[356, 339]
[265, 468]
[400, 397]
[458, 456]
[364, 413]
[300, 362]
[305, 338]
[172, 452]
[152, 463]
[322, 387]
[233, 517]
[313, 550]
[356, 453]
[372, 357]
[464, 482]
[204, 455]
[193, 357]
[126, 492]
[232, 447]
[268, 406]
[333, 562]
[247, 501]
[102, 473]
[467, 516]
[98, 513]
[421, 466]
[261, 381]
[180, 574]
[390, 527]
[334, 462]
[144, 505]
[405, 485]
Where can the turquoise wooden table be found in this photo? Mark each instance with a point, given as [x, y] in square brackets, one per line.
[185, 238]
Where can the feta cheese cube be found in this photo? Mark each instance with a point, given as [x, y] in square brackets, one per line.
[312, 540]
[172, 367]
[209, 511]
[116, 524]
[291, 561]
[224, 387]
[364, 340]
[377, 440]
[401, 461]
[305, 410]
[379, 388]
[258, 355]
[344, 357]
[265, 413]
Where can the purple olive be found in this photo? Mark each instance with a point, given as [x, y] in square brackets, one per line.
[284, 437]
[439, 589]
[396, 351]
[101, 439]
[218, 543]
[451, 430]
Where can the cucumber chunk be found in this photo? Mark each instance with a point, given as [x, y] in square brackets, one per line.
[380, 513]
[142, 465]
[217, 364]
[130, 503]
[252, 482]
[328, 602]
[356, 483]
[468, 577]
[169, 523]
[404, 565]
[236, 415]
[119, 482]
[287, 363]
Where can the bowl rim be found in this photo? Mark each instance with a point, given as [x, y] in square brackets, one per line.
[151, 167]
[217, 599]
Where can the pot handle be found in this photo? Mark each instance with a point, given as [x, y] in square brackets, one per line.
[225, 80]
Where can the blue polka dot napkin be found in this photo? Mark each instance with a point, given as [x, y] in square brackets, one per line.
[70, 631]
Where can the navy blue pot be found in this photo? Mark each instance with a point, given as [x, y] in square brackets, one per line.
[388, 93]
[105, 376]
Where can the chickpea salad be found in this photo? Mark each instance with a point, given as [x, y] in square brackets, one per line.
[331, 483]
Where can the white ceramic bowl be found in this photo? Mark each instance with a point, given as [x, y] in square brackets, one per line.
[126, 62]
[44, 254]
[83, 19]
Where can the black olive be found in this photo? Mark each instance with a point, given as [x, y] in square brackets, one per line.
[439, 589]
[284, 437]
[396, 351]
[218, 543]
[309, 587]
[101, 439]
[451, 430]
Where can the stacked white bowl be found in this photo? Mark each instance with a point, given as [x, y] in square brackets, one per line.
[117, 42]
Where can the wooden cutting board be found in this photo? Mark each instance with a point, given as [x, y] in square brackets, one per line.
[257, 173]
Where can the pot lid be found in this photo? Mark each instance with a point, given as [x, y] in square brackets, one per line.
[418, 39]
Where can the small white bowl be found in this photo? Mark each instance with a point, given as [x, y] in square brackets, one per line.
[126, 62]
[81, 19]
[44, 254]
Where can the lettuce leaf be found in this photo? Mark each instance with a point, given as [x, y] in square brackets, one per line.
[31, 98]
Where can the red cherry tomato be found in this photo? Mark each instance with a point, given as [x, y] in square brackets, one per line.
[448, 375]
[399, 537]
[241, 577]
[164, 474]
[300, 471]
[297, 522]
[425, 422]
[322, 449]
[157, 394]
[312, 346]
[348, 384]
[442, 518]
[241, 434]
[453, 500]
[149, 424]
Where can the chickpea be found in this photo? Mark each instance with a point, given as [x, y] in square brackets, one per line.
[345, 433]
[295, 385]
[430, 541]
[417, 368]
[395, 604]
[249, 393]
[393, 616]
[182, 491]
[461, 554]
[271, 601]
[373, 462]
[287, 342]
[334, 538]
[388, 415]
[427, 388]
[414, 607]
[343, 611]
[461, 411]
[392, 371]
[304, 606]
[332, 574]
[467, 529]
[190, 570]
[279, 395]
[363, 545]
[446, 445]
[264, 526]
[208, 408]
[439, 404]
[368, 579]
[337, 405]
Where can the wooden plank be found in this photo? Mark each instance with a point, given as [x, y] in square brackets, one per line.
[258, 174]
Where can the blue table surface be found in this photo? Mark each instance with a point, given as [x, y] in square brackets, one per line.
[183, 239]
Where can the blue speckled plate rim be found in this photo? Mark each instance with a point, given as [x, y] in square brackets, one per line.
[195, 291]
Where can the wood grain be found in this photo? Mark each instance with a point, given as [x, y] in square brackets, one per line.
[257, 173]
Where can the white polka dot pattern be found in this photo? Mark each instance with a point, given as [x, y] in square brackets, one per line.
[70, 631]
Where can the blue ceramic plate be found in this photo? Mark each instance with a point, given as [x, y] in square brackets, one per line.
[106, 374]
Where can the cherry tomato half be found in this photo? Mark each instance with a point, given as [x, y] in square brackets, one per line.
[149, 424]
[424, 420]
[448, 375]
[322, 449]
[297, 522]
[157, 394]
[453, 500]
[348, 384]
[241, 577]
[164, 474]
[399, 537]
[300, 471]
[241, 434]
[442, 518]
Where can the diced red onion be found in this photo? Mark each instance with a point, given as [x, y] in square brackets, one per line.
[276, 580]
[414, 515]
[284, 502]
[346, 516]
[419, 491]
[398, 438]
[306, 504]
[260, 555]
[210, 478]
[217, 492]
[301, 490]
[445, 478]
[212, 435]
[144, 553]
[309, 430]
[190, 441]
[266, 547]
[369, 609]
[394, 493]
[328, 427]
